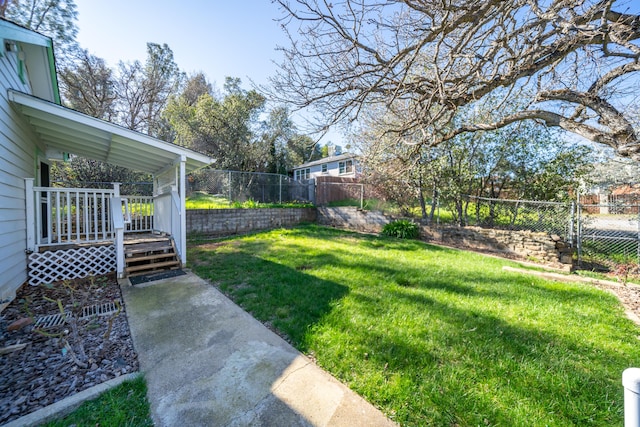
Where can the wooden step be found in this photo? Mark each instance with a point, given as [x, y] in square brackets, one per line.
[150, 257]
[152, 266]
[142, 249]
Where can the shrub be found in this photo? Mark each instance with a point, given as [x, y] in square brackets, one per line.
[402, 229]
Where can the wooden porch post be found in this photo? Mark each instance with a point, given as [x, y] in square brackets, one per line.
[30, 214]
[118, 225]
[183, 211]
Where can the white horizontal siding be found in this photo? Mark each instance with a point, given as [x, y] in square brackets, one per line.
[18, 154]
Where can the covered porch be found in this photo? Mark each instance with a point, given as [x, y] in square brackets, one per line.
[87, 226]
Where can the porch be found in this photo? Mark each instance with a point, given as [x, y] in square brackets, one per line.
[78, 232]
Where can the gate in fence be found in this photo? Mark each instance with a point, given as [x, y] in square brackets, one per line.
[608, 234]
[604, 234]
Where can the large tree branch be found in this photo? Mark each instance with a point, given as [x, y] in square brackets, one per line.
[629, 149]
[431, 59]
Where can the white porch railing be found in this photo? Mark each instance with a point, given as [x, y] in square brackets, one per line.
[72, 215]
[62, 216]
[141, 212]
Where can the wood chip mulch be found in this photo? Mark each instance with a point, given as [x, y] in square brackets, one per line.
[36, 369]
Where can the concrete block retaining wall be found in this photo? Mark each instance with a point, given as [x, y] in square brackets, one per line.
[541, 247]
[226, 222]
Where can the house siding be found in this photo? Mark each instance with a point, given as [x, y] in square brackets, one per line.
[17, 151]
[333, 169]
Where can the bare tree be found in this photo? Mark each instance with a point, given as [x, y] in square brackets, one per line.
[88, 86]
[574, 63]
[143, 90]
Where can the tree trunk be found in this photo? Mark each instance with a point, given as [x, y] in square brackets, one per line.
[434, 204]
[423, 206]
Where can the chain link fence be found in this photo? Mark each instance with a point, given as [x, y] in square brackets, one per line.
[603, 230]
[608, 234]
[550, 217]
[260, 187]
[605, 235]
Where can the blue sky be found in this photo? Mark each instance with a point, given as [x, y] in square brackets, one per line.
[221, 37]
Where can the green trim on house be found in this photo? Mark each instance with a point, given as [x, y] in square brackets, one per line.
[54, 74]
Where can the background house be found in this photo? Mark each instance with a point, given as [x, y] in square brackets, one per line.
[34, 129]
[344, 165]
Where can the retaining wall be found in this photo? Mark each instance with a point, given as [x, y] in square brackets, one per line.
[352, 218]
[541, 247]
[227, 222]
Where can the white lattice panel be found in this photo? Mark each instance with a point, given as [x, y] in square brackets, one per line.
[53, 266]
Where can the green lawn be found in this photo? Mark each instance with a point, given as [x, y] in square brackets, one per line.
[200, 200]
[123, 406]
[432, 336]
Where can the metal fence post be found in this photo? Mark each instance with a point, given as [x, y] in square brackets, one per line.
[230, 199]
[638, 239]
[579, 229]
[280, 197]
[631, 384]
[572, 217]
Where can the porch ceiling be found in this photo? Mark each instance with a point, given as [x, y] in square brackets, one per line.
[69, 131]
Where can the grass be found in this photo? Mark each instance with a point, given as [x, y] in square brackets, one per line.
[433, 336]
[199, 200]
[124, 405]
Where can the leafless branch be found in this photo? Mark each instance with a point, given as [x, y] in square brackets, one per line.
[428, 59]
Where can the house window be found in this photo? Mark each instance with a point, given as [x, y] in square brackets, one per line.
[324, 168]
[301, 174]
[345, 167]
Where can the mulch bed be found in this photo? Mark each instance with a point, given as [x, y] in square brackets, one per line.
[44, 372]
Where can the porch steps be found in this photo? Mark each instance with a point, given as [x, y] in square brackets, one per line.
[150, 256]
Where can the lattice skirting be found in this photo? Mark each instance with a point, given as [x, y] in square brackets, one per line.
[53, 266]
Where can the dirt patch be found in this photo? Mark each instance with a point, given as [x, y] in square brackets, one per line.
[628, 295]
[44, 372]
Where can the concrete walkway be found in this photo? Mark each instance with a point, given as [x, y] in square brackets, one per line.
[209, 363]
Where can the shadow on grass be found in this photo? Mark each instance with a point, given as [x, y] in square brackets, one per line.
[286, 299]
[469, 359]
[425, 347]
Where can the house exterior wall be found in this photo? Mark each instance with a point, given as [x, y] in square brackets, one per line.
[19, 161]
[333, 169]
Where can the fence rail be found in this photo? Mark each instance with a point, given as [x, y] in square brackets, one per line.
[83, 215]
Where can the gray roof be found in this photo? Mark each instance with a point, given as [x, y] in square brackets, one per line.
[331, 159]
